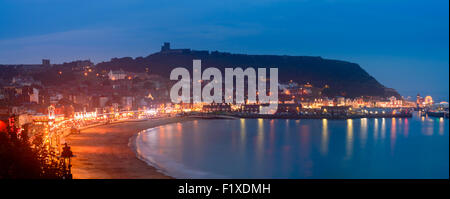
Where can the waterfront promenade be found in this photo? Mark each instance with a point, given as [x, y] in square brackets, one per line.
[102, 152]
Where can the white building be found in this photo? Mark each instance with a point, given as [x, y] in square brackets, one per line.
[55, 98]
[117, 75]
[34, 97]
[127, 102]
[102, 101]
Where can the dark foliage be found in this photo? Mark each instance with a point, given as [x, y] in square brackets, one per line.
[19, 160]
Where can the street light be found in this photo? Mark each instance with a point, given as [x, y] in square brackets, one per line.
[67, 155]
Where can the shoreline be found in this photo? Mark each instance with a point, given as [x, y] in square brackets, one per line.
[103, 152]
[108, 151]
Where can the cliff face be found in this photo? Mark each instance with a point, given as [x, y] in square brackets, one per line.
[343, 78]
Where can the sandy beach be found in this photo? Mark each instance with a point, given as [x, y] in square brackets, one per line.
[102, 152]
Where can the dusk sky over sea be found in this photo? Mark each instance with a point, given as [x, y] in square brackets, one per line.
[404, 44]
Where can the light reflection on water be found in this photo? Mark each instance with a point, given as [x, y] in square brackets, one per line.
[393, 134]
[259, 148]
[260, 140]
[349, 140]
[363, 132]
[324, 142]
[375, 129]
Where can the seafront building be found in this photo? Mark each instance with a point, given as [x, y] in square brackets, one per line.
[80, 92]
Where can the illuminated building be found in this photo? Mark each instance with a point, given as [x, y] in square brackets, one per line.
[336, 110]
[117, 75]
[34, 97]
[419, 100]
[250, 108]
[217, 107]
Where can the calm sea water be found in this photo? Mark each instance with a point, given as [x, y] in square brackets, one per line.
[416, 147]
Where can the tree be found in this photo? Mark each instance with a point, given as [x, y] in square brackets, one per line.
[19, 160]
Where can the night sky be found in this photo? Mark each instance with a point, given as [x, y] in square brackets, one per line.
[402, 43]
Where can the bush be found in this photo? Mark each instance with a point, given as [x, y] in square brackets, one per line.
[19, 160]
